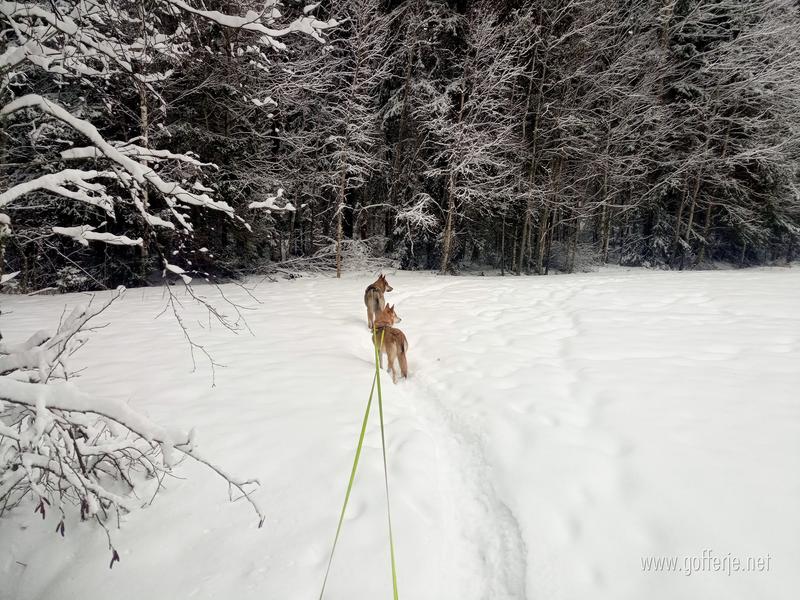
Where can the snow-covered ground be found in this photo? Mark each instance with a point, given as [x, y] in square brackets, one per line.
[553, 433]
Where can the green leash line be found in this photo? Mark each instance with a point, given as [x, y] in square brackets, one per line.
[349, 486]
[385, 468]
[375, 379]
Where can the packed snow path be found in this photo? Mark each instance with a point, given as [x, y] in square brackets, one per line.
[553, 433]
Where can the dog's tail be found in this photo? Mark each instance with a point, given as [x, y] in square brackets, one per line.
[375, 301]
[402, 358]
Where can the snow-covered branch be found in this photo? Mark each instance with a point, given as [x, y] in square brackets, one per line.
[86, 191]
[141, 173]
[66, 450]
[260, 22]
[271, 203]
[85, 233]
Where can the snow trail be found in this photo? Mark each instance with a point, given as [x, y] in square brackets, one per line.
[480, 533]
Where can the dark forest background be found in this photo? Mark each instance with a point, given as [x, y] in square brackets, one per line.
[532, 137]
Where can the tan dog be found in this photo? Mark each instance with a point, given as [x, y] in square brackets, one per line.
[373, 298]
[395, 344]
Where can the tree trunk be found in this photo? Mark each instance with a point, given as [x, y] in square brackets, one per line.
[695, 193]
[514, 250]
[448, 229]
[576, 234]
[312, 249]
[144, 129]
[144, 142]
[290, 236]
[606, 234]
[550, 241]
[573, 251]
[339, 210]
[502, 248]
[605, 216]
[701, 255]
[525, 244]
[541, 239]
[557, 169]
[447, 241]
[687, 240]
[678, 221]
[526, 226]
[4, 235]
[397, 164]
[623, 231]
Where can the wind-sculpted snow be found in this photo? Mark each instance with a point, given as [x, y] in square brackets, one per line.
[552, 432]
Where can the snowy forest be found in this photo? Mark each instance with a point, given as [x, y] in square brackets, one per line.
[228, 138]
[268, 173]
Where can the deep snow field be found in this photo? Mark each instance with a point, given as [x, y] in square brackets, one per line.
[554, 432]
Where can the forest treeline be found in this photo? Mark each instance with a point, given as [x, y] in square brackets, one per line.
[524, 136]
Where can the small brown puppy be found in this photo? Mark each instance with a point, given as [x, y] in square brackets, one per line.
[395, 344]
[373, 298]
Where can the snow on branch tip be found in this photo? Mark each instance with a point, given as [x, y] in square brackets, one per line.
[123, 155]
